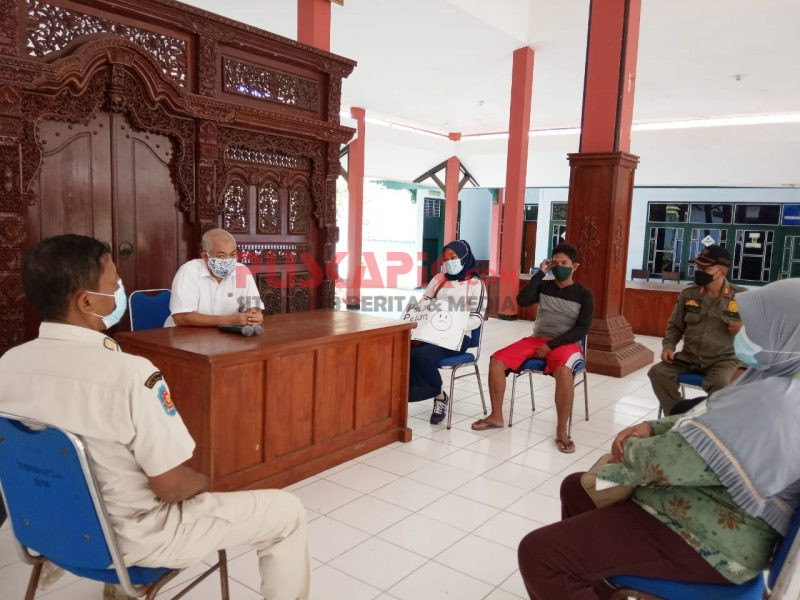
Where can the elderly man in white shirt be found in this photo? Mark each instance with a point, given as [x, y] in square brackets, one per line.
[215, 289]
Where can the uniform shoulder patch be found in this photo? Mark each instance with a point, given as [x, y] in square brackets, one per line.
[110, 344]
[733, 306]
[153, 379]
[692, 302]
[166, 401]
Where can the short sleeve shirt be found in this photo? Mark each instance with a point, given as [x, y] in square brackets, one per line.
[79, 380]
[195, 290]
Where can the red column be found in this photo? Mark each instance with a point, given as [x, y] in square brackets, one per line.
[355, 211]
[451, 198]
[518, 127]
[601, 184]
[314, 23]
[494, 234]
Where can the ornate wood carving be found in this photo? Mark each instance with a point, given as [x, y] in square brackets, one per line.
[618, 241]
[588, 241]
[297, 298]
[299, 210]
[236, 208]
[270, 294]
[269, 209]
[9, 179]
[269, 85]
[8, 27]
[271, 159]
[207, 69]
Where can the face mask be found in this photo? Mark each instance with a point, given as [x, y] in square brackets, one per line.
[560, 272]
[120, 304]
[746, 349]
[222, 267]
[452, 266]
[702, 278]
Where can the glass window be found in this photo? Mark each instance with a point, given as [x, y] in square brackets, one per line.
[558, 236]
[711, 213]
[668, 213]
[702, 238]
[753, 255]
[664, 249]
[558, 211]
[758, 214]
[531, 212]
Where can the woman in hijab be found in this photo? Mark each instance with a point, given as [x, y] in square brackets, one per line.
[713, 490]
[459, 278]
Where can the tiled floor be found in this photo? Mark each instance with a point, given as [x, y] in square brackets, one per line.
[439, 517]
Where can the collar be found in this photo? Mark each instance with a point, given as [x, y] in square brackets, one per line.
[204, 272]
[74, 333]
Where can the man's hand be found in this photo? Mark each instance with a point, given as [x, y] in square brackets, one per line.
[542, 351]
[238, 318]
[734, 327]
[642, 430]
[545, 266]
[254, 316]
[178, 484]
[667, 355]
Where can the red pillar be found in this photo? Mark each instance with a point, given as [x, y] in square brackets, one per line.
[494, 234]
[451, 198]
[601, 183]
[355, 211]
[518, 127]
[314, 23]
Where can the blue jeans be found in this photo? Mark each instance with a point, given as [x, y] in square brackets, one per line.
[424, 378]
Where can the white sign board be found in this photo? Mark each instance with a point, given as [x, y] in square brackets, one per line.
[707, 241]
[439, 322]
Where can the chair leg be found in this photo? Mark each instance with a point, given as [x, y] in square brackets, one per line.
[450, 398]
[585, 396]
[530, 382]
[33, 582]
[513, 391]
[223, 574]
[480, 389]
[683, 392]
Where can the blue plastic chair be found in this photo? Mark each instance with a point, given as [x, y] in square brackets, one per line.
[149, 309]
[755, 589]
[465, 359]
[689, 379]
[56, 510]
[537, 365]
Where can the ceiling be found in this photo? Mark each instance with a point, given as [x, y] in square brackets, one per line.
[445, 66]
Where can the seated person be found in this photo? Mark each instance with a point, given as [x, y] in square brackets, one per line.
[459, 278]
[75, 377]
[714, 489]
[208, 291]
[565, 313]
[706, 318]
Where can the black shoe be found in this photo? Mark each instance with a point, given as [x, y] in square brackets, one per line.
[439, 410]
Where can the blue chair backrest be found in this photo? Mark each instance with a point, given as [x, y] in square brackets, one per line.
[49, 503]
[149, 308]
[475, 337]
[783, 550]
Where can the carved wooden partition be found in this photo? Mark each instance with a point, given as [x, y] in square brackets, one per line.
[146, 123]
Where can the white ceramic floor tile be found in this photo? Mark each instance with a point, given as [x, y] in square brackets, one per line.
[80, 589]
[409, 494]
[500, 594]
[515, 585]
[490, 491]
[328, 538]
[471, 461]
[541, 460]
[455, 437]
[507, 529]
[369, 514]
[442, 476]
[399, 463]
[537, 507]
[330, 584]
[488, 561]
[422, 535]
[459, 512]
[324, 496]
[378, 563]
[362, 478]
[518, 475]
[428, 448]
[496, 447]
[437, 582]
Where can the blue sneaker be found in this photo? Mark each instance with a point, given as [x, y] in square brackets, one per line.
[439, 410]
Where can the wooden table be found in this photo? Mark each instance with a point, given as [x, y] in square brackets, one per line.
[648, 306]
[314, 390]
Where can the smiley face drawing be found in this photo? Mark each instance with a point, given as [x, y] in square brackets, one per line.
[441, 321]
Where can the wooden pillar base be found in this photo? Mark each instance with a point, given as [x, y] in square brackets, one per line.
[613, 350]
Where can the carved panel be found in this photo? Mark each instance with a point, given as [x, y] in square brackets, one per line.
[8, 27]
[299, 211]
[12, 239]
[207, 67]
[9, 179]
[588, 241]
[269, 289]
[266, 84]
[209, 206]
[53, 28]
[272, 159]
[334, 99]
[297, 299]
[236, 208]
[272, 253]
[10, 101]
[269, 209]
[618, 241]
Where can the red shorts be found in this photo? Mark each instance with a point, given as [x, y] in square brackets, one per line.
[517, 353]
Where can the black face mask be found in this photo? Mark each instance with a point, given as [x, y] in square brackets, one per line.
[702, 278]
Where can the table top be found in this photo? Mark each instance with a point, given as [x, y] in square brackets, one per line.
[281, 331]
[657, 285]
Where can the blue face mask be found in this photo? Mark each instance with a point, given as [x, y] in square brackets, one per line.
[452, 266]
[746, 349]
[222, 267]
[120, 304]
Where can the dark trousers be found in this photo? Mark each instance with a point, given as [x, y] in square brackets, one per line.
[424, 379]
[570, 559]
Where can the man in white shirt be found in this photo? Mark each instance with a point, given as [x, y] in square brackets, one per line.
[215, 289]
[77, 378]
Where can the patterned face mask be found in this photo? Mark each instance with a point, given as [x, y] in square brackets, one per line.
[222, 267]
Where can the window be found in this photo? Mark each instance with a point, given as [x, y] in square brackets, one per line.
[758, 214]
[753, 256]
[531, 212]
[665, 249]
[558, 211]
[668, 213]
[702, 238]
[711, 213]
[558, 235]
[433, 207]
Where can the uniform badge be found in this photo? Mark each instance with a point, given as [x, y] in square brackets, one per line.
[166, 401]
[732, 306]
[153, 379]
[693, 303]
[110, 344]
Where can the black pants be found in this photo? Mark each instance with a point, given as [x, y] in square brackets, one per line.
[424, 380]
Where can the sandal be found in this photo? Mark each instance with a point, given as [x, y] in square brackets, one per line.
[483, 425]
[565, 447]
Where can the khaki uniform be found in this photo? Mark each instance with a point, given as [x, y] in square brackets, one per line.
[702, 323]
[79, 380]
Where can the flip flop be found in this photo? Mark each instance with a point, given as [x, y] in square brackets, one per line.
[566, 448]
[483, 425]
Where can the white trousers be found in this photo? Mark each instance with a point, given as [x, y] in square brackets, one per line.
[272, 521]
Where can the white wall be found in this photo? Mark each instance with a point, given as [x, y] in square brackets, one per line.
[476, 217]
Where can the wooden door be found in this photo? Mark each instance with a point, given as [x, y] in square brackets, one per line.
[529, 246]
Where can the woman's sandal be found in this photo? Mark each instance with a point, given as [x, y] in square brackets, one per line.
[565, 447]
